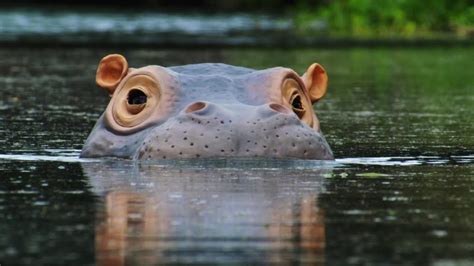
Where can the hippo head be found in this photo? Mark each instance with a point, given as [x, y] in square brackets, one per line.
[208, 111]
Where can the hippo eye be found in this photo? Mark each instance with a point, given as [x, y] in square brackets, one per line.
[296, 99]
[135, 101]
[296, 103]
[136, 96]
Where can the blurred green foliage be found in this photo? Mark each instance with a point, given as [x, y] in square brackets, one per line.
[358, 18]
[388, 17]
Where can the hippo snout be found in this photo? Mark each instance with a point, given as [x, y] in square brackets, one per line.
[205, 130]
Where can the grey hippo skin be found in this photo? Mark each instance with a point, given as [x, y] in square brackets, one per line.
[208, 111]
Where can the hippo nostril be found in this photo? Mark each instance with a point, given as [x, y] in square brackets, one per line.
[195, 107]
[279, 108]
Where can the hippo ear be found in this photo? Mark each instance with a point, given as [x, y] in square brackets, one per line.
[111, 71]
[316, 81]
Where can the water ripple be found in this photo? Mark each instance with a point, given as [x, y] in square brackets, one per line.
[72, 155]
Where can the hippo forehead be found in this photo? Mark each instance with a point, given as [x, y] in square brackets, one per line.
[226, 83]
[206, 110]
[206, 69]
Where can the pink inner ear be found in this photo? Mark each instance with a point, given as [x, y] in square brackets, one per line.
[319, 70]
[111, 73]
[318, 84]
[320, 78]
[112, 69]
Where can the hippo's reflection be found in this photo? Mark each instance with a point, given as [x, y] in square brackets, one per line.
[159, 213]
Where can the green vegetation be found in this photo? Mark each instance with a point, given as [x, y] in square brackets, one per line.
[398, 18]
[348, 18]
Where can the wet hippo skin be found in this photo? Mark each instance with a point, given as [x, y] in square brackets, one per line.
[208, 111]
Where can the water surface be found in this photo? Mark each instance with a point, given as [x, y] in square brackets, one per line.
[137, 27]
[400, 122]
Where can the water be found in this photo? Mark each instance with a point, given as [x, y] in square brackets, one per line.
[137, 27]
[400, 122]
[24, 22]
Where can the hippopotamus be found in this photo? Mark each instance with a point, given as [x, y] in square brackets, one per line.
[208, 110]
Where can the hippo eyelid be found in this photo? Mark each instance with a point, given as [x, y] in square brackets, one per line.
[135, 101]
[293, 76]
[294, 96]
